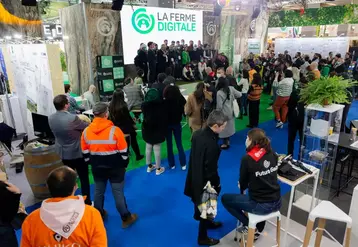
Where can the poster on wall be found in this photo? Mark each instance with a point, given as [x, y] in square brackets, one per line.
[144, 24]
[3, 72]
[32, 81]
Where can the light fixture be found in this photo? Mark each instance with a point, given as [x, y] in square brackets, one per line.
[8, 37]
[17, 36]
[65, 37]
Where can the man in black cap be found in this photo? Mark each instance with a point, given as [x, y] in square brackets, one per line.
[105, 146]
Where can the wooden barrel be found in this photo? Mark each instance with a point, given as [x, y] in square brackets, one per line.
[38, 163]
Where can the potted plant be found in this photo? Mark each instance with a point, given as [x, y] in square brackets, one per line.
[327, 90]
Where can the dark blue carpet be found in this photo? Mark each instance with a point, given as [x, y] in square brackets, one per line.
[165, 214]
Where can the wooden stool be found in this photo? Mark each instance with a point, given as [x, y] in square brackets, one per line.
[254, 219]
[326, 211]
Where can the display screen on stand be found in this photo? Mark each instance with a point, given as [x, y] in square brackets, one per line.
[110, 74]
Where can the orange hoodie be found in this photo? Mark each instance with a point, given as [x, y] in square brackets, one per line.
[89, 232]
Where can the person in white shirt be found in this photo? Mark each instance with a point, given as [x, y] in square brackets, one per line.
[188, 73]
[245, 88]
[89, 96]
[304, 66]
[201, 68]
[284, 90]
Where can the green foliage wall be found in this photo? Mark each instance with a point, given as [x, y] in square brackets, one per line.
[315, 17]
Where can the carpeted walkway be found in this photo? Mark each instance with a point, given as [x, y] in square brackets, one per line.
[165, 214]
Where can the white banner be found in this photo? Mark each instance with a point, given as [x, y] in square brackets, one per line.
[144, 24]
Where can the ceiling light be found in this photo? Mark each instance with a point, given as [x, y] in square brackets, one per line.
[17, 36]
[8, 37]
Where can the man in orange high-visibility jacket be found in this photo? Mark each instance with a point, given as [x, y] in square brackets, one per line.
[105, 147]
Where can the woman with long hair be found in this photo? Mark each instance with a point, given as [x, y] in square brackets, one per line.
[194, 107]
[175, 103]
[225, 97]
[254, 96]
[258, 174]
[119, 115]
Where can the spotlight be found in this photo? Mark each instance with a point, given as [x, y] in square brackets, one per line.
[237, 7]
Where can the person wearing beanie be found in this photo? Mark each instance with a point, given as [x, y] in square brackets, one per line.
[154, 128]
[105, 148]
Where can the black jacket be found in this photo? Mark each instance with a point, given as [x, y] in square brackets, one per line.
[203, 164]
[296, 109]
[152, 59]
[10, 204]
[154, 126]
[142, 59]
[175, 110]
[258, 173]
[123, 120]
[160, 87]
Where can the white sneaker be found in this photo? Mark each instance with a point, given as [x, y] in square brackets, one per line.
[183, 168]
[159, 171]
[279, 124]
[150, 169]
[173, 167]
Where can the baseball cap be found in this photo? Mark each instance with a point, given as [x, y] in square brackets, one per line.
[99, 108]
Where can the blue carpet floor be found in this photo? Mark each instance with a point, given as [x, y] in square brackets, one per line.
[165, 214]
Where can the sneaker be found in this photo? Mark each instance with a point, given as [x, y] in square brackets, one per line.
[130, 221]
[172, 167]
[183, 168]
[279, 124]
[159, 171]
[150, 168]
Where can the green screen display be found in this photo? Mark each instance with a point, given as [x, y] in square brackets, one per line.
[118, 73]
[108, 86]
[107, 61]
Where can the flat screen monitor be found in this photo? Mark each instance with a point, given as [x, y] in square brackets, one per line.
[41, 126]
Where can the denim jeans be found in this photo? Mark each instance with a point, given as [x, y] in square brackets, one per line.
[176, 130]
[118, 194]
[243, 108]
[237, 204]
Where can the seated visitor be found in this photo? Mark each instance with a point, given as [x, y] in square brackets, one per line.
[258, 174]
[133, 93]
[74, 108]
[188, 73]
[90, 97]
[138, 80]
[64, 219]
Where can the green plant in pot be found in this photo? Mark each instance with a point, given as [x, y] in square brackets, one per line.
[327, 90]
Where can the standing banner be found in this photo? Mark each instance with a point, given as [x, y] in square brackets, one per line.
[110, 74]
[144, 24]
[211, 30]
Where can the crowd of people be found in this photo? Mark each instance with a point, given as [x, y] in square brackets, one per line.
[105, 142]
[182, 61]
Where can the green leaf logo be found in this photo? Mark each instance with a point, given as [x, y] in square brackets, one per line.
[142, 22]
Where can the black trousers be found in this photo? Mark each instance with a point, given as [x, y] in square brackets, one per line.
[293, 127]
[254, 112]
[132, 141]
[144, 67]
[82, 170]
[152, 74]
